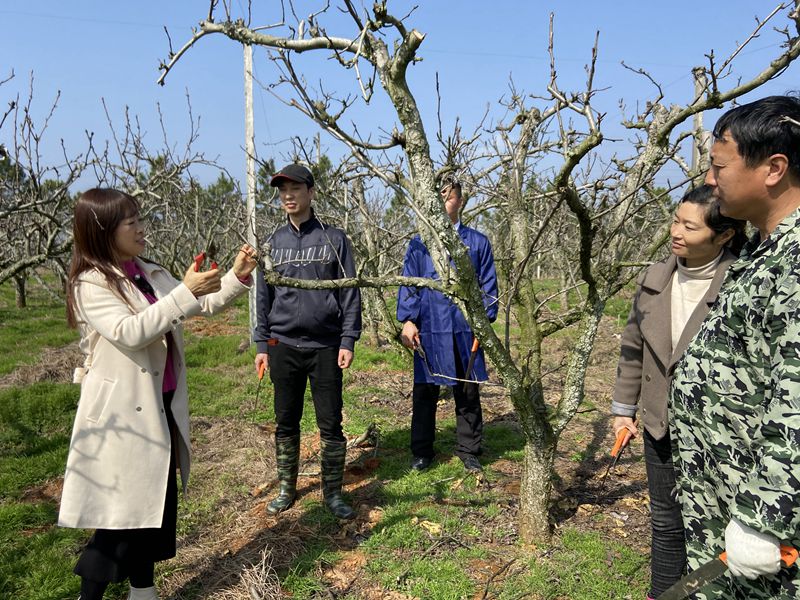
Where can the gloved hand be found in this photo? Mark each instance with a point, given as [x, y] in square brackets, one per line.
[750, 552]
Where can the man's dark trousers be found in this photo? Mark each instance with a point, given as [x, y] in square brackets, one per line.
[290, 368]
[469, 417]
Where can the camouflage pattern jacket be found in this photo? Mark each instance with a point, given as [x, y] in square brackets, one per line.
[735, 421]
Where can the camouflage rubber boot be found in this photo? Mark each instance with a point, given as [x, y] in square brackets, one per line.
[287, 457]
[332, 461]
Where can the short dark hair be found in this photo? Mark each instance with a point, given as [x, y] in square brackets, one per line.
[763, 128]
[714, 219]
[450, 181]
[457, 187]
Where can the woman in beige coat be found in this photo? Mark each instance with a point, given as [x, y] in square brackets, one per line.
[672, 299]
[132, 424]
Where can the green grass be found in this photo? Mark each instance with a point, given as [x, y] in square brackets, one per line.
[35, 424]
[617, 307]
[583, 566]
[25, 331]
[36, 557]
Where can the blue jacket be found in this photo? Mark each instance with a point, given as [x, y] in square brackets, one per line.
[442, 326]
[309, 318]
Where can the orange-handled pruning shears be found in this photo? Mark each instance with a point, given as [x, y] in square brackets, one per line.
[709, 571]
[471, 363]
[261, 368]
[623, 437]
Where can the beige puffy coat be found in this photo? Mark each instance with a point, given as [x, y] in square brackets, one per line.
[118, 460]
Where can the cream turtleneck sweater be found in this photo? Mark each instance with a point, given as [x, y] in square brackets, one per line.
[689, 286]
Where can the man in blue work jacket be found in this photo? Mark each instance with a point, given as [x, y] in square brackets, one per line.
[438, 332]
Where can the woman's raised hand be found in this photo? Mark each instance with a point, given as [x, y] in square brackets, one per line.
[201, 283]
[245, 262]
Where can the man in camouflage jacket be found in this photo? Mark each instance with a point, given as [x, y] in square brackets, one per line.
[736, 391]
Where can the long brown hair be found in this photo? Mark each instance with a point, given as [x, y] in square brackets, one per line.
[98, 212]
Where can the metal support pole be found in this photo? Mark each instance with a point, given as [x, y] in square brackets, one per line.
[250, 151]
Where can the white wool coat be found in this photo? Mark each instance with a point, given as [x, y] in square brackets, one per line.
[117, 467]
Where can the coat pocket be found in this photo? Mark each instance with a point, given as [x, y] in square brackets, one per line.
[97, 397]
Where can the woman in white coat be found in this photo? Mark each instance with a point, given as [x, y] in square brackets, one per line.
[131, 429]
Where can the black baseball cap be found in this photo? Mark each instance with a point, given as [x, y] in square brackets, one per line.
[293, 172]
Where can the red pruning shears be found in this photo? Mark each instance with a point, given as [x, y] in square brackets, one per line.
[200, 258]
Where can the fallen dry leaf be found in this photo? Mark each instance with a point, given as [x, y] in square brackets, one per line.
[431, 527]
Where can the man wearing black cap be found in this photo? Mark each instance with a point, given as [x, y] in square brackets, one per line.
[307, 335]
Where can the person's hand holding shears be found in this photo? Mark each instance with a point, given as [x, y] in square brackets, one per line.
[628, 423]
[409, 336]
[200, 282]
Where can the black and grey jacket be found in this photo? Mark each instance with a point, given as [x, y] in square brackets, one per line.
[309, 318]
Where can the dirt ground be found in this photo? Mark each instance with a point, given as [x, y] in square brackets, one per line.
[233, 469]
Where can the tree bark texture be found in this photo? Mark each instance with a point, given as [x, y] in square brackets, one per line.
[535, 489]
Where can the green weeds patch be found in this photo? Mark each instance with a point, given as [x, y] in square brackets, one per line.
[35, 425]
[25, 331]
[583, 566]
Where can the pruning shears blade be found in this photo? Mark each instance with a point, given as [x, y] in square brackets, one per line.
[212, 254]
[708, 572]
[695, 580]
[421, 351]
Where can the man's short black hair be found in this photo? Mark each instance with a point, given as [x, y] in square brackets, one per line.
[450, 181]
[763, 128]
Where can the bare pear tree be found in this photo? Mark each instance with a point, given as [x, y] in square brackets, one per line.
[183, 216]
[604, 204]
[35, 201]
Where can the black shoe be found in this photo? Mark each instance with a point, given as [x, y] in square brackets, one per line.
[471, 463]
[420, 463]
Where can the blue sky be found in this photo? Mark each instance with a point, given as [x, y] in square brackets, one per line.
[90, 50]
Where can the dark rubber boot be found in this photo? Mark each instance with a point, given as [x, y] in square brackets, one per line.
[332, 461]
[287, 457]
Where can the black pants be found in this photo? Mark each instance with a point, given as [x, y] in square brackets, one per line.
[290, 369]
[469, 416]
[668, 548]
[113, 555]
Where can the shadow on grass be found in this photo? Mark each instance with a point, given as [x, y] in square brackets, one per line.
[586, 484]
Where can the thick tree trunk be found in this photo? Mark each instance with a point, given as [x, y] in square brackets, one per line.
[537, 464]
[19, 288]
[534, 493]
